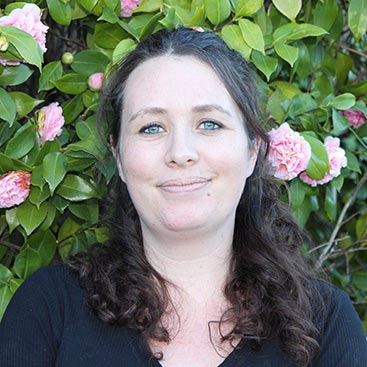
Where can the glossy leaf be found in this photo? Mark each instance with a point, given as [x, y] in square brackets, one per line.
[51, 72]
[290, 8]
[266, 64]
[54, 169]
[232, 35]
[244, 8]
[252, 34]
[343, 101]
[88, 62]
[30, 217]
[22, 142]
[7, 107]
[217, 11]
[24, 104]
[331, 196]
[71, 83]
[44, 243]
[286, 52]
[357, 17]
[15, 75]
[60, 11]
[27, 262]
[75, 188]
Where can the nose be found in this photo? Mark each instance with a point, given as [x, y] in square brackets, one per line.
[181, 150]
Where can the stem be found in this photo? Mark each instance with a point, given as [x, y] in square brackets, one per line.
[76, 233]
[329, 247]
[357, 137]
[350, 49]
[67, 39]
[11, 245]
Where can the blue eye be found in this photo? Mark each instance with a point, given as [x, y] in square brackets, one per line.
[151, 129]
[210, 125]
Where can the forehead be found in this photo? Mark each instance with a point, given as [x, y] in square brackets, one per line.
[175, 82]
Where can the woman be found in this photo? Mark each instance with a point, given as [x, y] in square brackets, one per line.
[203, 267]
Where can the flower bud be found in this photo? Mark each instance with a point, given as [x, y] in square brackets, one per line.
[49, 121]
[95, 82]
[4, 44]
[67, 58]
[14, 188]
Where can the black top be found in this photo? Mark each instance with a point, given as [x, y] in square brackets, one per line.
[47, 323]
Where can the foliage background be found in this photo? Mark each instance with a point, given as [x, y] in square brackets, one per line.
[310, 58]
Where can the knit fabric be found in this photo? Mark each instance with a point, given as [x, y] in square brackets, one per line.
[47, 324]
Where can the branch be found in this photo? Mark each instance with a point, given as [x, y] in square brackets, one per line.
[11, 245]
[328, 248]
[67, 39]
[350, 49]
[76, 233]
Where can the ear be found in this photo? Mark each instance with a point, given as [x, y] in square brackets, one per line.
[254, 152]
[116, 155]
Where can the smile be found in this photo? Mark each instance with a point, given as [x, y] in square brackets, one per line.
[184, 185]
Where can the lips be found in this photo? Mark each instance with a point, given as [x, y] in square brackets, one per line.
[184, 184]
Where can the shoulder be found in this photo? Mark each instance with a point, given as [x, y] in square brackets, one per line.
[342, 338]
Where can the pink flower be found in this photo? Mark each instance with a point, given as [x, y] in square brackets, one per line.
[337, 160]
[128, 6]
[95, 82]
[49, 122]
[289, 152]
[14, 188]
[27, 19]
[356, 118]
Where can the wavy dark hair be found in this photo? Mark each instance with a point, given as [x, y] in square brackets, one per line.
[269, 287]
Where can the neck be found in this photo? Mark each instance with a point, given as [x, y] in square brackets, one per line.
[196, 264]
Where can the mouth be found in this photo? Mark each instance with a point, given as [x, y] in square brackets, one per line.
[184, 185]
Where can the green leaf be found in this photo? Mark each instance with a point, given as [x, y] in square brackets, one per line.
[343, 101]
[5, 296]
[149, 26]
[68, 228]
[5, 275]
[30, 217]
[198, 18]
[340, 123]
[361, 227]
[37, 196]
[44, 243]
[7, 107]
[286, 52]
[170, 21]
[149, 6]
[27, 262]
[72, 108]
[109, 35]
[302, 212]
[357, 17]
[331, 202]
[289, 8]
[54, 169]
[232, 35]
[15, 75]
[291, 31]
[89, 62]
[318, 165]
[24, 103]
[51, 72]
[252, 34]
[50, 217]
[8, 164]
[25, 44]
[75, 188]
[48, 147]
[87, 212]
[298, 192]
[71, 83]
[22, 142]
[108, 15]
[92, 145]
[37, 177]
[59, 203]
[12, 219]
[353, 163]
[266, 64]
[303, 65]
[338, 182]
[60, 11]
[122, 49]
[325, 13]
[244, 8]
[217, 11]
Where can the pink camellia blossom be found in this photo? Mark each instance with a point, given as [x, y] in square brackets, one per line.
[49, 122]
[128, 6]
[28, 19]
[95, 82]
[14, 188]
[356, 118]
[289, 152]
[337, 160]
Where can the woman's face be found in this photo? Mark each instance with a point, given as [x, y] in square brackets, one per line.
[183, 152]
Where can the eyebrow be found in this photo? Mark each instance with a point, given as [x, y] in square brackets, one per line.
[196, 109]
